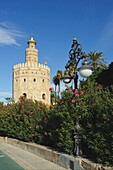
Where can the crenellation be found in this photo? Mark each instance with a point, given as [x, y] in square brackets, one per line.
[22, 65]
[32, 65]
[26, 64]
[43, 66]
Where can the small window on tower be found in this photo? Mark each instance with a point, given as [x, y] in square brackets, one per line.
[24, 95]
[43, 96]
[24, 80]
[43, 80]
[34, 80]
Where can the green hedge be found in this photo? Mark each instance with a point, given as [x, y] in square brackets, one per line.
[53, 126]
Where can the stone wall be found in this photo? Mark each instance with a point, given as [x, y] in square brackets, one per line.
[64, 160]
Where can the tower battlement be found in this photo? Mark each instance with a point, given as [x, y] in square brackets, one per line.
[31, 65]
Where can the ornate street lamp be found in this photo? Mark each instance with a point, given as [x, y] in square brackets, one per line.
[75, 56]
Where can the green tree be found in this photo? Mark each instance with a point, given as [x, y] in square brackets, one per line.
[95, 110]
[56, 83]
[106, 76]
[59, 76]
[96, 60]
[57, 79]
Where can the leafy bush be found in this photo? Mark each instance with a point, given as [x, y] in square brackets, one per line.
[96, 120]
[53, 126]
[59, 129]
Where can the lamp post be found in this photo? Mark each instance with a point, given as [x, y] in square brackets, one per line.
[75, 56]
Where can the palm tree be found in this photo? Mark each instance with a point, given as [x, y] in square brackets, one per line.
[96, 60]
[56, 81]
[59, 76]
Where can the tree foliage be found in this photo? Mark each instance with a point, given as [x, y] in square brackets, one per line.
[54, 125]
[106, 76]
[96, 60]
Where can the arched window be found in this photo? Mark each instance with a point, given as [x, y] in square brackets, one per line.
[24, 80]
[43, 96]
[24, 95]
[34, 80]
[43, 80]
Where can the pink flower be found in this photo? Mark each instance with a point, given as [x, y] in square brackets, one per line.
[43, 115]
[22, 106]
[76, 91]
[50, 89]
[73, 100]
[69, 90]
[52, 107]
[99, 85]
[61, 101]
[31, 113]
[81, 92]
[36, 126]
[76, 95]
[39, 109]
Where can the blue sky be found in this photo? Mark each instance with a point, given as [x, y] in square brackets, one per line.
[53, 24]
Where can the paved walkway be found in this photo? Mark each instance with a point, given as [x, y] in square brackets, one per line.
[6, 163]
[26, 159]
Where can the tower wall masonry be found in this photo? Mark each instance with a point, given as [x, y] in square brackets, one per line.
[31, 78]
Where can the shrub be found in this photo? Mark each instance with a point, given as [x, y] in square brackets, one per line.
[96, 115]
[58, 131]
[53, 126]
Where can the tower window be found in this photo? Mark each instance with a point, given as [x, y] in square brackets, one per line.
[34, 80]
[24, 95]
[43, 80]
[24, 80]
[43, 96]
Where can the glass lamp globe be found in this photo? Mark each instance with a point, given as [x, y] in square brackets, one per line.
[66, 78]
[85, 70]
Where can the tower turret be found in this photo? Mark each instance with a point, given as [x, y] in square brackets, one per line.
[31, 52]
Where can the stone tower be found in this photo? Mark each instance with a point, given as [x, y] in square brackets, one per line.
[31, 78]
